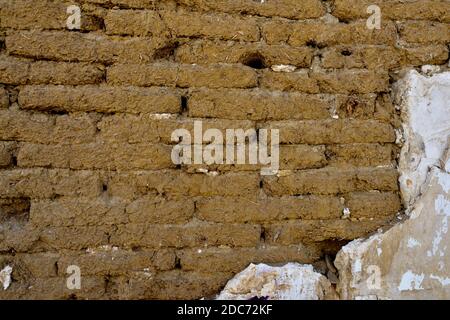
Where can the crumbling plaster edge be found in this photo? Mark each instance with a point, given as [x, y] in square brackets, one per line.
[401, 92]
[403, 97]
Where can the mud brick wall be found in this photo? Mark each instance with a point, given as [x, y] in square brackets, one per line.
[86, 117]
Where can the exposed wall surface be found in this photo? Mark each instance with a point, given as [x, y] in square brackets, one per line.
[86, 118]
[408, 261]
[413, 258]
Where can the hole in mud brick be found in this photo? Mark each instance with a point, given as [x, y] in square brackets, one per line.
[345, 20]
[329, 154]
[184, 104]
[55, 197]
[99, 23]
[107, 280]
[254, 60]
[177, 263]
[166, 52]
[92, 21]
[315, 45]
[353, 107]
[104, 187]
[14, 161]
[332, 247]
[15, 211]
[13, 94]
[312, 44]
[391, 80]
[58, 112]
[262, 236]
[346, 52]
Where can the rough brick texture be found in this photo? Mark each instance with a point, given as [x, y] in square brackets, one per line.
[86, 117]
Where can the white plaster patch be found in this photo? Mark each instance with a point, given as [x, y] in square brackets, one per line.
[399, 138]
[412, 243]
[443, 281]
[411, 281]
[207, 172]
[444, 179]
[357, 266]
[430, 69]
[426, 114]
[292, 281]
[346, 213]
[162, 116]
[442, 205]
[440, 232]
[379, 251]
[283, 68]
[5, 277]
